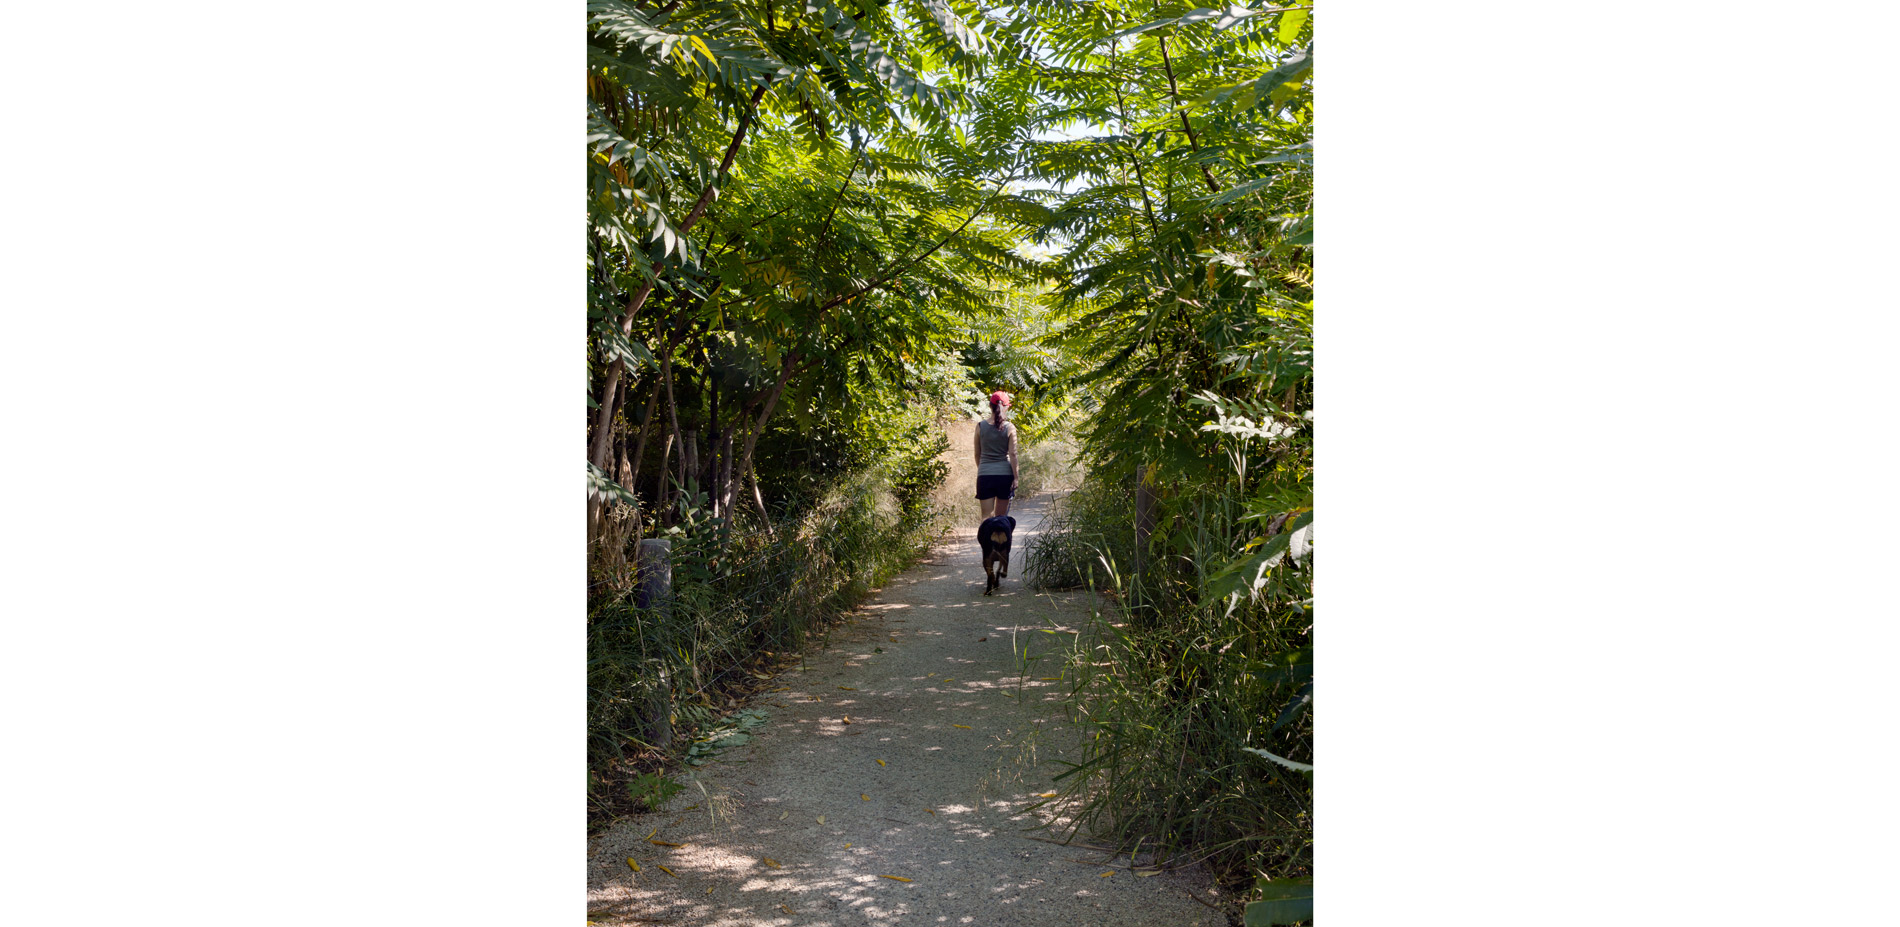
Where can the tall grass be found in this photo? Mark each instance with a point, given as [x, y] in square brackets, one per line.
[742, 598]
[1178, 688]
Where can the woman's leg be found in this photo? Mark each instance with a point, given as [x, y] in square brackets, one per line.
[988, 506]
[1002, 506]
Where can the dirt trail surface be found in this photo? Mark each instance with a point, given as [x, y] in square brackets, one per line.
[952, 691]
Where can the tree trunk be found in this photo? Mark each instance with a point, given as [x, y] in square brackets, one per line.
[725, 475]
[786, 369]
[715, 490]
[689, 463]
[765, 515]
[659, 477]
[596, 508]
[672, 408]
[623, 468]
[640, 448]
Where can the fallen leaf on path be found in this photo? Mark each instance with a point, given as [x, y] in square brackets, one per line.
[864, 796]
[948, 679]
[1045, 794]
[847, 846]
[933, 811]
[964, 726]
[785, 909]
[893, 878]
[1050, 679]
[650, 836]
[667, 871]
[784, 815]
[769, 861]
[709, 889]
[981, 639]
[634, 863]
[880, 762]
[1145, 873]
[821, 819]
[1108, 873]
[662, 843]
[847, 688]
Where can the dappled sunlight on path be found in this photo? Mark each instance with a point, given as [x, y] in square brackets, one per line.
[896, 782]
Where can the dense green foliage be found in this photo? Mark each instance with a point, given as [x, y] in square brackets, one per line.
[739, 604]
[1188, 273]
[814, 227]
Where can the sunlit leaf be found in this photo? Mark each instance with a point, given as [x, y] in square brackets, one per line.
[1290, 23]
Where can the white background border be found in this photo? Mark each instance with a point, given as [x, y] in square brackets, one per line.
[293, 567]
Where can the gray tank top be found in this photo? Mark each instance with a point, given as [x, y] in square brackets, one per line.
[995, 444]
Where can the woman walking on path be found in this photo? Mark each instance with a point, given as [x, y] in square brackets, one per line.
[996, 458]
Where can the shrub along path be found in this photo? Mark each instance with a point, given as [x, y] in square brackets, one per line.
[959, 696]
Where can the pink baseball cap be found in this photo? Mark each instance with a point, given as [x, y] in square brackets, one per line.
[1000, 396]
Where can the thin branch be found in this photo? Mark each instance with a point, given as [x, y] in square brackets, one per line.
[1175, 93]
[732, 151]
[825, 231]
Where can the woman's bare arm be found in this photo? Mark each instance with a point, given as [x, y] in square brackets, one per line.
[1012, 455]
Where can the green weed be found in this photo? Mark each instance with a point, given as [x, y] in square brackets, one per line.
[1181, 692]
[651, 790]
[659, 680]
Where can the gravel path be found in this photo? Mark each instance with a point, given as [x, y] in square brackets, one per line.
[948, 689]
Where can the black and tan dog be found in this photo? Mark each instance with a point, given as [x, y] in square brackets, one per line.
[994, 535]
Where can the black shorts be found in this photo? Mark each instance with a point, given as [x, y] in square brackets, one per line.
[995, 487]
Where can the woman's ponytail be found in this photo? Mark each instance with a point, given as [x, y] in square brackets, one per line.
[996, 413]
